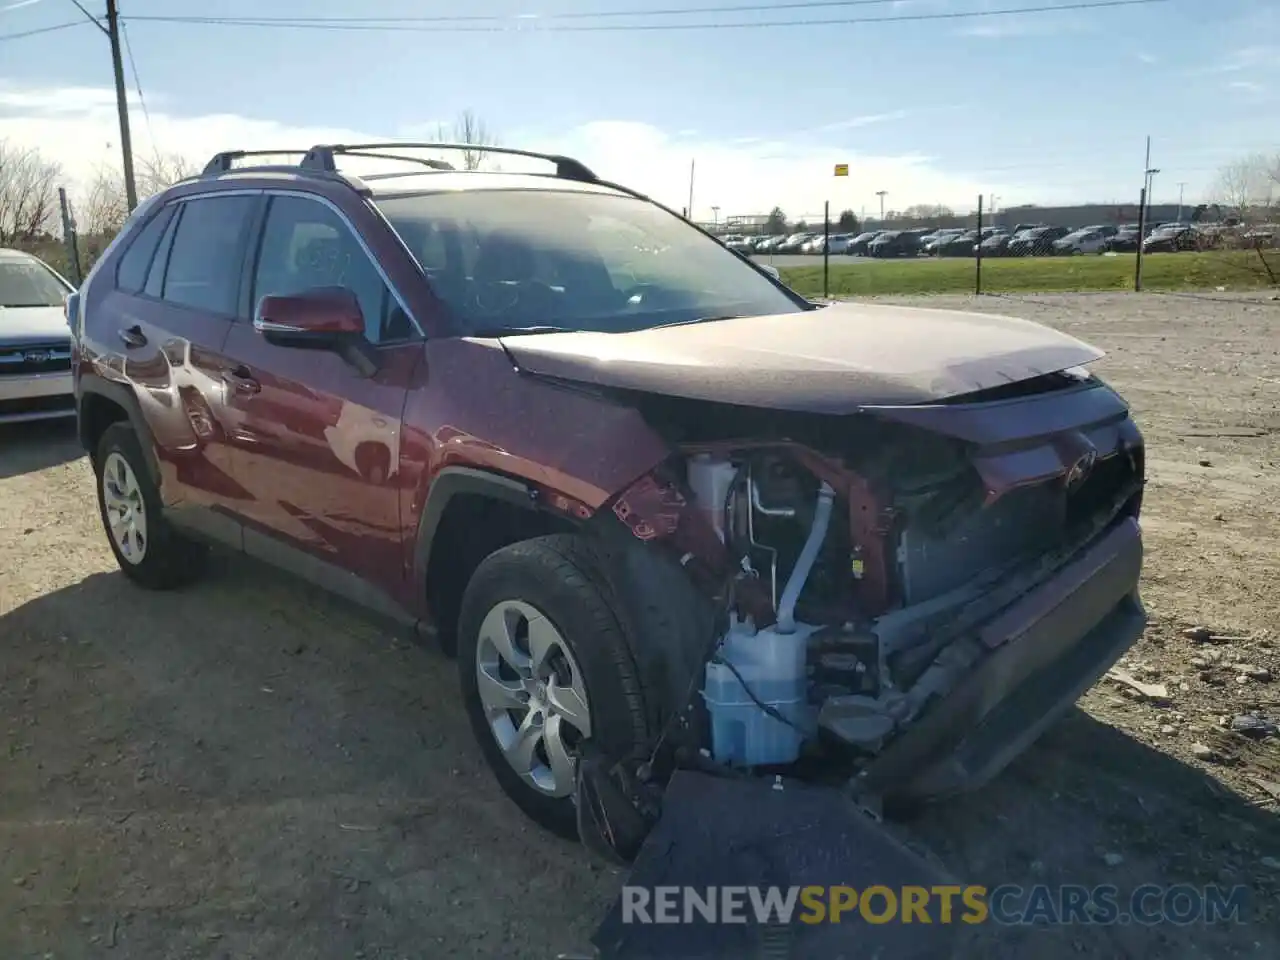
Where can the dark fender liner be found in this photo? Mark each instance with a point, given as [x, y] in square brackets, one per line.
[122, 397]
[449, 483]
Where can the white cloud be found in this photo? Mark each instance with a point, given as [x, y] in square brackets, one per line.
[77, 127]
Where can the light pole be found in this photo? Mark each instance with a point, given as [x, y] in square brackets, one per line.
[1182, 186]
[1151, 179]
[715, 217]
[881, 194]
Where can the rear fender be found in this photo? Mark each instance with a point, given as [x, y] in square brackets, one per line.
[91, 390]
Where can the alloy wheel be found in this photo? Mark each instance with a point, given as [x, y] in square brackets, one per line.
[533, 695]
[125, 509]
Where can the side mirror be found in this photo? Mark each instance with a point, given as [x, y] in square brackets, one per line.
[323, 318]
[771, 270]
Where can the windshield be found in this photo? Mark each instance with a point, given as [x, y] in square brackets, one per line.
[29, 283]
[504, 259]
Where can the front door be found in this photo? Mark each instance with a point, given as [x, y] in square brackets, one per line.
[318, 442]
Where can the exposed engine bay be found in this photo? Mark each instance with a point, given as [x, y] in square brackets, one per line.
[914, 593]
[873, 550]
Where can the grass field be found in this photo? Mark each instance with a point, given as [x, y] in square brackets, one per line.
[1233, 270]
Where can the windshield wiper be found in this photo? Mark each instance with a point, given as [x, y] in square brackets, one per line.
[517, 331]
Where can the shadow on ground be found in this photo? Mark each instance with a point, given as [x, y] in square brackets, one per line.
[247, 769]
[29, 447]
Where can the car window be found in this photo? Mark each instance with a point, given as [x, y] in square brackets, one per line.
[155, 274]
[29, 283]
[206, 255]
[135, 262]
[585, 261]
[305, 245]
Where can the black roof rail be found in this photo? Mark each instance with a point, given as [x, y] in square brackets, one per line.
[221, 162]
[322, 156]
[422, 161]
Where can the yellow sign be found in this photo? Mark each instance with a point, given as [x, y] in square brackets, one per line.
[842, 169]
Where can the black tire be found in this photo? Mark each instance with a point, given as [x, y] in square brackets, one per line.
[551, 575]
[169, 560]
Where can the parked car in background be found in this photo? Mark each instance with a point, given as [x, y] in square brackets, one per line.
[963, 244]
[929, 243]
[1084, 240]
[996, 245]
[1124, 240]
[738, 244]
[859, 244]
[769, 244]
[35, 340]
[1172, 239]
[895, 243]
[794, 243]
[836, 243]
[956, 245]
[1036, 242]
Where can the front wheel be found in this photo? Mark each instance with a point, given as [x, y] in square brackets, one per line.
[544, 667]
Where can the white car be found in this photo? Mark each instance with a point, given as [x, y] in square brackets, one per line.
[1084, 240]
[837, 243]
[35, 341]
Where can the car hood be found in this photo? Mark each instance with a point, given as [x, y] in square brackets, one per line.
[33, 325]
[837, 359]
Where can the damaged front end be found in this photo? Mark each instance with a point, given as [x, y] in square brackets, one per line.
[901, 599]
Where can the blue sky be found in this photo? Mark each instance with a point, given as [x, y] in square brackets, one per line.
[1031, 108]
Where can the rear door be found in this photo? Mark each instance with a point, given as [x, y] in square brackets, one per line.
[319, 442]
[176, 296]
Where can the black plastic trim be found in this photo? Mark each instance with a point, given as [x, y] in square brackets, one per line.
[122, 397]
[449, 483]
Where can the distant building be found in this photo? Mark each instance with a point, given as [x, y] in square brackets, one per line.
[1089, 214]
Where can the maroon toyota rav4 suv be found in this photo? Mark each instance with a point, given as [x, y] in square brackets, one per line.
[666, 511]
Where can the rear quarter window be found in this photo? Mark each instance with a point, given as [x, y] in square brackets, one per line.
[131, 274]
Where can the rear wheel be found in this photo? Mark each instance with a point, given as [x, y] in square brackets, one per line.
[544, 666]
[149, 551]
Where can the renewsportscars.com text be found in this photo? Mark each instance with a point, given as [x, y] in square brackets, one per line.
[1008, 904]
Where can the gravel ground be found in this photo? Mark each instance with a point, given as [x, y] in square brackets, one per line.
[248, 769]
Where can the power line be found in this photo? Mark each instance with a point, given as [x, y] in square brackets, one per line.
[564, 15]
[537, 25]
[137, 83]
[39, 30]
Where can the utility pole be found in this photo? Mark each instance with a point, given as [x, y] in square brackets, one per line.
[715, 216]
[1182, 186]
[112, 31]
[122, 105]
[691, 166]
[881, 195]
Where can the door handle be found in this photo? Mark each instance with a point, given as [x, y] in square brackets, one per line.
[133, 336]
[241, 381]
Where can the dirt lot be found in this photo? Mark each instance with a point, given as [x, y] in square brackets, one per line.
[247, 769]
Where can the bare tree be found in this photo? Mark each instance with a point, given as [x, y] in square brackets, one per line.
[28, 194]
[103, 208]
[1250, 186]
[471, 130]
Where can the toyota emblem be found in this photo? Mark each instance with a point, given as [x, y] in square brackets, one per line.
[36, 356]
[1081, 468]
